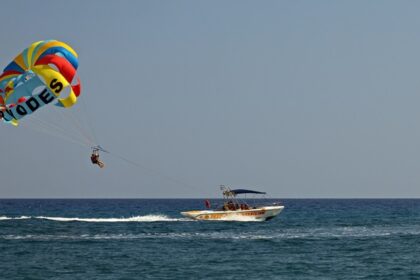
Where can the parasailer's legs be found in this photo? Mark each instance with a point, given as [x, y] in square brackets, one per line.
[101, 164]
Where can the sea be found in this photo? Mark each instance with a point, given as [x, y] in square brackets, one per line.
[149, 239]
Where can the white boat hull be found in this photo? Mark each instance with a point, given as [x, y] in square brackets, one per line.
[258, 214]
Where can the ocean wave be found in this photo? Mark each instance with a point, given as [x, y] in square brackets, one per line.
[255, 233]
[3, 218]
[146, 218]
[99, 237]
[348, 232]
[316, 233]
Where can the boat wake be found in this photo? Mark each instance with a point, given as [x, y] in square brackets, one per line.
[314, 234]
[3, 218]
[146, 218]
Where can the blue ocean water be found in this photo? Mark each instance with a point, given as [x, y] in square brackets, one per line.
[148, 239]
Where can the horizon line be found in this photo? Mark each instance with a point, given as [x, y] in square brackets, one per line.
[144, 198]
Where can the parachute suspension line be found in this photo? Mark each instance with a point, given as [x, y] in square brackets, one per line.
[60, 136]
[54, 129]
[63, 124]
[45, 130]
[75, 124]
[90, 126]
[59, 129]
[48, 131]
[82, 130]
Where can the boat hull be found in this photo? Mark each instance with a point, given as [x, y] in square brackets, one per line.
[258, 214]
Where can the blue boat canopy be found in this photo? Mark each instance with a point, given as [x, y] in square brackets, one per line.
[242, 191]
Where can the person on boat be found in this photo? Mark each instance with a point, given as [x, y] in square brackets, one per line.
[227, 206]
[95, 158]
[230, 205]
[207, 203]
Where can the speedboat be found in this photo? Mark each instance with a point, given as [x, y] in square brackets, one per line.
[234, 209]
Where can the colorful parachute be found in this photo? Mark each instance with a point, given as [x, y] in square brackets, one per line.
[43, 73]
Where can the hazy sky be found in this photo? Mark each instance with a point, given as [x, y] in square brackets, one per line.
[297, 98]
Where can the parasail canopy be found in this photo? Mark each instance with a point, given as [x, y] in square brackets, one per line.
[43, 73]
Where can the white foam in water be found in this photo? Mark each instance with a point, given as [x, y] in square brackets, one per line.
[277, 233]
[240, 218]
[2, 218]
[146, 218]
[317, 233]
[125, 236]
